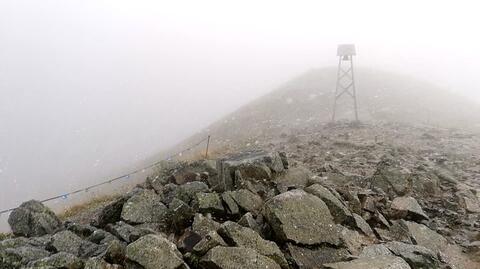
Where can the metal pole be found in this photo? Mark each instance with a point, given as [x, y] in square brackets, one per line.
[208, 144]
[336, 89]
[353, 89]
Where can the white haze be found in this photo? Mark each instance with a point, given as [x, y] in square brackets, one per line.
[90, 87]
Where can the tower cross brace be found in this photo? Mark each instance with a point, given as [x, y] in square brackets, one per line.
[345, 77]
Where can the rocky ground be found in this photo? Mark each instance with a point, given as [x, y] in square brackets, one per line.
[339, 196]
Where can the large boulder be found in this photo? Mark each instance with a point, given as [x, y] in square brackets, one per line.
[58, 260]
[110, 213]
[392, 178]
[380, 262]
[417, 257]
[144, 207]
[240, 236]
[67, 241]
[306, 258]
[338, 210]
[407, 208]
[424, 236]
[236, 258]
[155, 252]
[255, 165]
[32, 218]
[302, 218]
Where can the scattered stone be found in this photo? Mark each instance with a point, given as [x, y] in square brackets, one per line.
[423, 236]
[302, 218]
[338, 210]
[208, 203]
[236, 258]
[247, 200]
[293, 178]
[145, 207]
[379, 262]
[407, 208]
[59, 260]
[417, 257]
[392, 178]
[32, 218]
[239, 236]
[203, 225]
[306, 258]
[110, 213]
[155, 252]
[374, 251]
[362, 225]
[209, 241]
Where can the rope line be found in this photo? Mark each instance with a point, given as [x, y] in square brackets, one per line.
[86, 189]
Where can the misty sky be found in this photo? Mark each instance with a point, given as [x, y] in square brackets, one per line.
[89, 86]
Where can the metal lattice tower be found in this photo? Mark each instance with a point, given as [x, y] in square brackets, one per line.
[345, 77]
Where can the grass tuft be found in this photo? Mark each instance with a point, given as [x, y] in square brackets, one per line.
[89, 205]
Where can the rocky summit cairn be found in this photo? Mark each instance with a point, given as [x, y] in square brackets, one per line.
[253, 210]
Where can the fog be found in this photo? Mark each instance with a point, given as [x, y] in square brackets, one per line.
[89, 88]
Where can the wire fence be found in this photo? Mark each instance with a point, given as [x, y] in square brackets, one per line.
[125, 176]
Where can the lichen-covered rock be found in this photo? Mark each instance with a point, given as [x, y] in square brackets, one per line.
[240, 236]
[230, 204]
[306, 258]
[208, 203]
[380, 262]
[155, 252]
[247, 200]
[32, 218]
[417, 257]
[67, 241]
[407, 207]
[203, 225]
[144, 207]
[98, 263]
[302, 218]
[110, 213]
[209, 241]
[187, 191]
[16, 257]
[59, 260]
[181, 214]
[338, 210]
[236, 258]
[126, 232]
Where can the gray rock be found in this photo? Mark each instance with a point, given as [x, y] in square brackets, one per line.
[417, 257]
[302, 218]
[126, 232]
[155, 252]
[144, 207]
[208, 203]
[187, 191]
[379, 262]
[59, 260]
[392, 178]
[374, 251]
[306, 258]
[209, 241]
[362, 225]
[181, 214]
[249, 221]
[230, 204]
[236, 258]
[338, 210]
[16, 257]
[407, 207]
[239, 236]
[203, 225]
[424, 236]
[32, 218]
[67, 241]
[110, 213]
[247, 200]
[293, 178]
[98, 263]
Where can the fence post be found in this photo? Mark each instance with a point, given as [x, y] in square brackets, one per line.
[208, 144]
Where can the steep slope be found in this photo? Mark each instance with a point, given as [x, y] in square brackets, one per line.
[383, 96]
